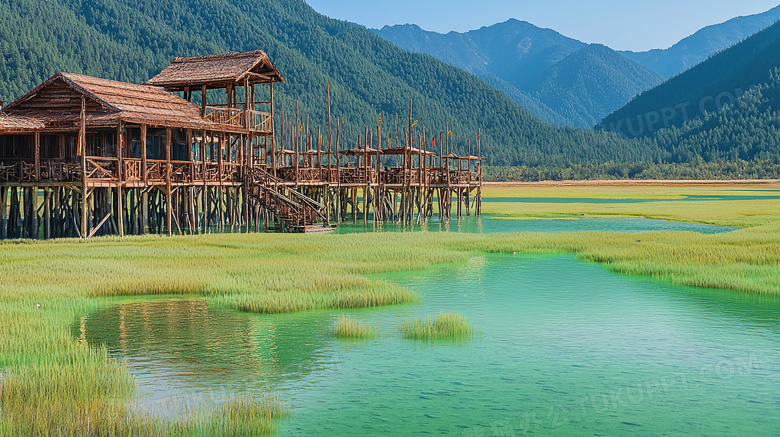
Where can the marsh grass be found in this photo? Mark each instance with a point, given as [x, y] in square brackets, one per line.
[444, 326]
[55, 384]
[350, 328]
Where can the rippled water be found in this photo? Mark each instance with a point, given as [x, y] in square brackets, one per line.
[487, 224]
[611, 200]
[565, 348]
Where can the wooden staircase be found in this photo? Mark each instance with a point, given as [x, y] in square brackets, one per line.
[285, 209]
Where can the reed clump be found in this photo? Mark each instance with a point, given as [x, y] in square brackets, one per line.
[444, 326]
[349, 327]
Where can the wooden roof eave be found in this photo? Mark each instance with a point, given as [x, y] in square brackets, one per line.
[76, 87]
[192, 124]
[265, 78]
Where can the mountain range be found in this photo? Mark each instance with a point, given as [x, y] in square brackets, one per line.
[562, 80]
[724, 108]
[131, 40]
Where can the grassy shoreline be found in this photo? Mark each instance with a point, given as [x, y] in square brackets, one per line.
[51, 380]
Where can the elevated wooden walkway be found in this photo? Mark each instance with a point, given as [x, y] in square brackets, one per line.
[196, 149]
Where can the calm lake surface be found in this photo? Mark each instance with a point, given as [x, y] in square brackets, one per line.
[565, 348]
[487, 224]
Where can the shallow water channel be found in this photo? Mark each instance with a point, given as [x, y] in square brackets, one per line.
[565, 348]
[487, 224]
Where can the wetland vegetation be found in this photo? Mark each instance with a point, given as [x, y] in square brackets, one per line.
[349, 327]
[444, 326]
[52, 380]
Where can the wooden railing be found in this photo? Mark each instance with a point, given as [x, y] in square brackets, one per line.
[9, 172]
[249, 119]
[212, 171]
[181, 171]
[131, 170]
[231, 116]
[155, 170]
[28, 172]
[291, 206]
[358, 175]
[101, 168]
[259, 121]
[230, 172]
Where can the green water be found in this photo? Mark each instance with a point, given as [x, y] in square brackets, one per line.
[565, 348]
[593, 200]
[487, 224]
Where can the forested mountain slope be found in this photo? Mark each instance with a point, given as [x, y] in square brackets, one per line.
[703, 89]
[131, 40]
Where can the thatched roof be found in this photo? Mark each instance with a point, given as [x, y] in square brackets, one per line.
[406, 150]
[57, 102]
[217, 71]
[359, 151]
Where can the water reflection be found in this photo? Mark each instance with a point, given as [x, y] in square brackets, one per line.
[557, 337]
[487, 224]
[179, 348]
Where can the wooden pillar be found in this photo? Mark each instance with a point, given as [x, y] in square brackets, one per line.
[247, 114]
[220, 189]
[169, 191]
[33, 220]
[84, 193]
[205, 192]
[273, 131]
[3, 213]
[47, 213]
[203, 101]
[144, 169]
[120, 212]
[37, 156]
[479, 176]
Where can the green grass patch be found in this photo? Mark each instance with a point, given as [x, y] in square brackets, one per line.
[444, 326]
[349, 327]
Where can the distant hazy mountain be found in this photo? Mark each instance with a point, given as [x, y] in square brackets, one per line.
[514, 50]
[134, 40]
[702, 44]
[558, 79]
[590, 83]
[725, 107]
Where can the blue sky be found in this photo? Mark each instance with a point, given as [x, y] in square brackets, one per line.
[620, 24]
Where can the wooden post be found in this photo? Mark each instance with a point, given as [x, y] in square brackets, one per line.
[37, 156]
[47, 213]
[3, 213]
[205, 192]
[330, 150]
[246, 104]
[120, 212]
[203, 101]
[378, 188]
[83, 143]
[479, 177]
[144, 169]
[220, 161]
[33, 220]
[273, 129]
[169, 194]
